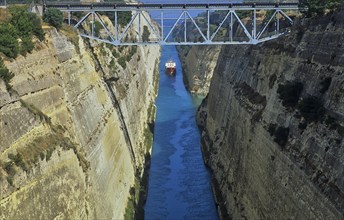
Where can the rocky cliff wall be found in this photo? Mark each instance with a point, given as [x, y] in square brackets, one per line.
[73, 141]
[198, 65]
[273, 125]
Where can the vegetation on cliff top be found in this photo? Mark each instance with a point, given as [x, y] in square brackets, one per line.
[54, 17]
[16, 31]
[318, 7]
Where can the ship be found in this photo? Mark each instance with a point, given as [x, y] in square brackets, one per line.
[170, 67]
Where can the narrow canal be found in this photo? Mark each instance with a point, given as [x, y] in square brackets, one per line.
[179, 183]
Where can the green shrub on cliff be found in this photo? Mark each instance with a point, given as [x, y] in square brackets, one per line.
[145, 34]
[325, 84]
[54, 17]
[9, 168]
[122, 62]
[318, 7]
[37, 26]
[26, 23]
[20, 20]
[18, 160]
[96, 28]
[5, 74]
[281, 136]
[21, 26]
[130, 209]
[290, 93]
[123, 17]
[8, 40]
[132, 52]
[26, 46]
[312, 109]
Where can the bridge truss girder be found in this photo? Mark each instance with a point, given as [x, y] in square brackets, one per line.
[253, 30]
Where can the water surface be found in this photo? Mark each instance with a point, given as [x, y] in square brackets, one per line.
[179, 183]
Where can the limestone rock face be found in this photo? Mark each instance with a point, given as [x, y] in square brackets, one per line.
[72, 146]
[198, 65]
[271, 160]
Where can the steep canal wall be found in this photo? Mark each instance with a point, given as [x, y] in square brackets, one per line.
[75, 134]
[273, 125]
[199, 63]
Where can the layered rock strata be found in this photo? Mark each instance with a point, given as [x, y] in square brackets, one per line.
[198, 66]
[273, 125]
[74, 129]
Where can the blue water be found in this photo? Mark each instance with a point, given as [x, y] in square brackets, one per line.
[179, 183]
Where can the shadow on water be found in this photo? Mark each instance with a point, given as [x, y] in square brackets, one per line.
[179, 183]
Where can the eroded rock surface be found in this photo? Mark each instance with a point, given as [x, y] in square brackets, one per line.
[73, 141]
[199, 63]
[272, 159]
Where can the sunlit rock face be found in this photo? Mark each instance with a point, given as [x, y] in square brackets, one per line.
[199, 63]
[78, 120]
[273, 125]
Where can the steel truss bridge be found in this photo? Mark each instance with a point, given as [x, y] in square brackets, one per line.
[176, 24]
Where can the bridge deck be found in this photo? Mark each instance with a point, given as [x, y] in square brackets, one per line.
[190, 6]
